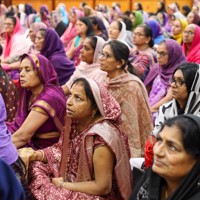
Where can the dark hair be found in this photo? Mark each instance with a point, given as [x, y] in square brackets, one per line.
[43, 32]
[162, 9]
[119, 24]
[100, 25]
[121, 52]
[140, 6]
[128, 22]
[14, 20]
[88, 23]
[189, 71]
[189, 125]
[148, 33]
[88, 93]
[187, 9]
[93, 41]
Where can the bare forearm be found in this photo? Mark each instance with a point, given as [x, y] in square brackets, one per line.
[89, 187]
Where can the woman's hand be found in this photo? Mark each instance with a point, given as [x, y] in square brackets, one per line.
[57, 181]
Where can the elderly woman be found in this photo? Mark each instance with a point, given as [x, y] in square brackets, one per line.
[95, 165]
[40, 116]
[89, 66]
[185, 84]
[175, 173]
[178, 28]
[193, 18]
[84, 29]
[49, 45]
[191, 43]
[34, 28]
[169, 56]
[130, 93]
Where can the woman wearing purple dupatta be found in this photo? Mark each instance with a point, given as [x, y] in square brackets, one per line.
[40, 115]
[50, 46]
[169, 56]
[79, 171]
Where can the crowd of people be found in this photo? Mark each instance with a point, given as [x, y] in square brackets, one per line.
[89, 95]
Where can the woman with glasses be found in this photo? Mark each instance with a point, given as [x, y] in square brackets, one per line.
[130, 93]
[191, 43]
[143, 40]
[185, 85]
[169, 56]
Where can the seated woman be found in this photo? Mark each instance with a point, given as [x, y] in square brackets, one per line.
[15, 46]
[191, 43]
[9, 93]
[117, 31]
[175, 173]
[89, 66]
[42, 104]
[185, 84]
[130, 93]
[98, 163]
[99, 27]
[9, 154]
[34, 28]
[178, 28]
[49, 45]
[193, 18]
[70, 33]
[84, 29]
[169, 56]
[143, 41]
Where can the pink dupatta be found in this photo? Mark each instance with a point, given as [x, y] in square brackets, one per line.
[9, 40]
[194, 51]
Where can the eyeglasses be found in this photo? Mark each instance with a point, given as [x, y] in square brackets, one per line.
[161, 53]
[104, 56]
[138, 34]
[8, 24]
[188, 32]
[178, 83]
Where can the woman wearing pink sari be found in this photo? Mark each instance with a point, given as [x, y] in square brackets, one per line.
[42, 105]
[191, 43]
[97, 166]
[70, 32]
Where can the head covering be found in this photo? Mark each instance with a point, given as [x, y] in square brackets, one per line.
[8, 151]
[179, 36]
[7, 48]
[37, 26]
[45, 15]
[196, 19]
[53, 49]
[173, 7]
[194, 51]
[90, 70]
[157, 31]
[52, 94]
[175, 57]
[63, 14]
[31, 19]
[138, 19]
[29, 9]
